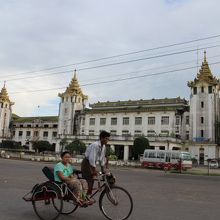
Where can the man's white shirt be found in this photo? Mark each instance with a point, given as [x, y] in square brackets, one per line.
[95, 152]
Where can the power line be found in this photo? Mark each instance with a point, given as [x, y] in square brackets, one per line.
[120, 55]
[146, 58]
[118, 80]
[117, 63]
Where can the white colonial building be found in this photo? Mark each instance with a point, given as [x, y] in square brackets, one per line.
[169, 123]
[27, 130]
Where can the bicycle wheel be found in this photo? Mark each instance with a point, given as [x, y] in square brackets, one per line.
[44, 198]
[69, 206]
[116, 203]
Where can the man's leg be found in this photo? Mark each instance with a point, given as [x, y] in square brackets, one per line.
[87, 174]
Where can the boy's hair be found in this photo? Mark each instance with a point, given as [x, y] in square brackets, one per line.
[64, 153]
[104, 134]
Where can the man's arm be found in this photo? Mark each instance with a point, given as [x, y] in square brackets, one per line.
[92, 159]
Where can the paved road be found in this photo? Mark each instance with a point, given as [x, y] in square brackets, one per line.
[157, 196]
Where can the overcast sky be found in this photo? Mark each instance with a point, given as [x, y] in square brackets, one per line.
[39, 34]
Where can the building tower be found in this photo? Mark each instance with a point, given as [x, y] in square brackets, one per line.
[204, 105]
[72, 103]
[5, 114]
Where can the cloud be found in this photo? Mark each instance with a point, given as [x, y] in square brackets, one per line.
[41, 34]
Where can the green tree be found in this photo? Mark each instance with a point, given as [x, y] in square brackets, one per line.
[76, 147]
[140, 144]
[41, 146]
[11, 144]
[110, 154]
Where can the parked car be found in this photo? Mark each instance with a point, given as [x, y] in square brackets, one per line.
[213, 164]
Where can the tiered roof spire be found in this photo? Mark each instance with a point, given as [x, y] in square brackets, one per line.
[74, 88]
[4, 97]
[204, 75]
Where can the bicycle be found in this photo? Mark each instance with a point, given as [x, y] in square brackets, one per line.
[50, 199]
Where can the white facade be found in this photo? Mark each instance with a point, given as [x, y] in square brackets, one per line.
[28, 130]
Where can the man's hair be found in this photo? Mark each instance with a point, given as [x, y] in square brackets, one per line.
[64, 153]
[104, 134]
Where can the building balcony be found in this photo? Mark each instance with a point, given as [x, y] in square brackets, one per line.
[123, 138]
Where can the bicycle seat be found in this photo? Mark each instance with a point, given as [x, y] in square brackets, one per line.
[48, 172]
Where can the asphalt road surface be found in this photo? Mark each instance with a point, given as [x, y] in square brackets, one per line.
[156, 195]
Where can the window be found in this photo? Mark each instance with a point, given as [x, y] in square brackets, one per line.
[20, 133]
[177, 120]
[92, 121]
[45, 134]
[137, 133]
[28, 133]
[29, 126]
[125, 121]
[187, 135]
[161, 154]
[13, 133]
[202, 89]
[125, 133]
[195, 90]
[113, 121]
[54, 125]
[165, 120]
[162, 148]
[210, 89]
[102, 121]
[91, 132]
[151, 133]
[21, 125]
[151, 120]
[36, 133]
[202, 133]
[54, 134]
[202, 120]
[113, 132]
[202, 104]
[46, 126]
[175, 156]
[138, 120]
[187, 120]
[152, 155]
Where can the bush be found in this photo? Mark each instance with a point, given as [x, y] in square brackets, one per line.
[41, 146]
[112, 157]
[11, 144]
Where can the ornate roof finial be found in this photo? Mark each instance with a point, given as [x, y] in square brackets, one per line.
[204, 75]
[204, 55]
[74, 75]
[4, 94]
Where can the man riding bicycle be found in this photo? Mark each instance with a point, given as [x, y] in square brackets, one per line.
[95, 152]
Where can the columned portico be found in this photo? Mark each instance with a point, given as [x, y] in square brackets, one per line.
[126, 152]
